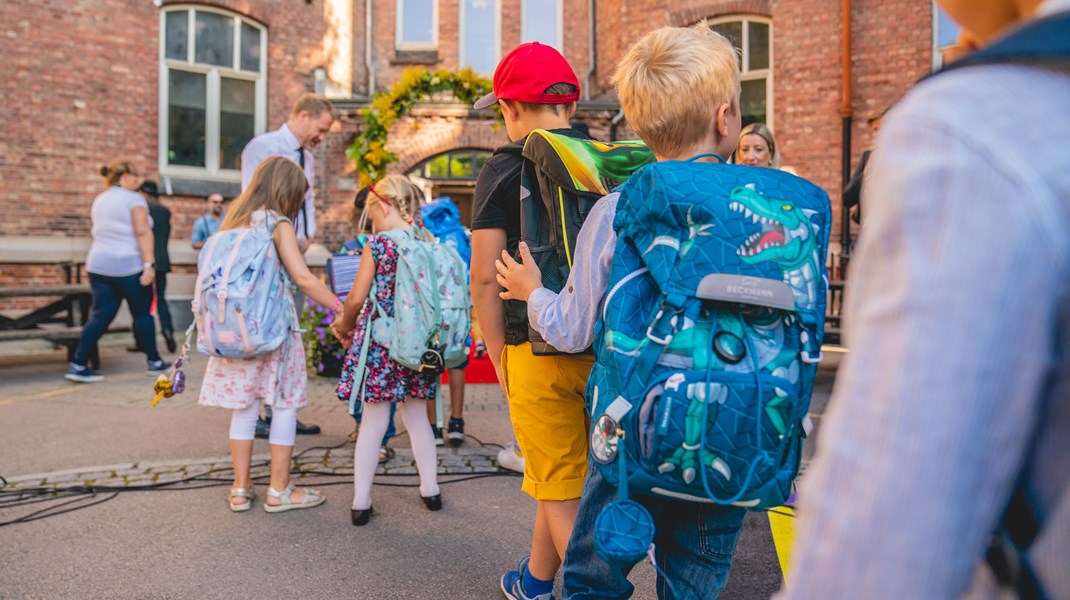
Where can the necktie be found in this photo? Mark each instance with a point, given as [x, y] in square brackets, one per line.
[301, 161]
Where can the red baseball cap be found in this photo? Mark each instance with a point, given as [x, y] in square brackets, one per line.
[526, 72]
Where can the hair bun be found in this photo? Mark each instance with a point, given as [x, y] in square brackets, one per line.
[104, 171]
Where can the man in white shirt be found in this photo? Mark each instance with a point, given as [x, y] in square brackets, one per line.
[952, 404]
[310, 119]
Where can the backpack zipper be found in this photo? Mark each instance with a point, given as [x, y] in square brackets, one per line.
[620, 284]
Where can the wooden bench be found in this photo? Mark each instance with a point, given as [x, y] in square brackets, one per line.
[833, 312]
[59, 321]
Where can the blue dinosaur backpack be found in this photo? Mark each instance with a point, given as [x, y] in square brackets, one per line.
[242, 302]
[709, 341]
[442, 218]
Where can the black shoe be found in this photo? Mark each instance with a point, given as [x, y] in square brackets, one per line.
[360, 517]
[455, 431]
[303, 429]
[435, 431]
[431, 502]
[385, 454]
[169, 339]
[263, 427]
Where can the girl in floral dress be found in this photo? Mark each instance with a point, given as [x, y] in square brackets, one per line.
[277, 378]
[392, 203]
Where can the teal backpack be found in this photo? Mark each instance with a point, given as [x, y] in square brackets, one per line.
[709, 341]
[431, 322]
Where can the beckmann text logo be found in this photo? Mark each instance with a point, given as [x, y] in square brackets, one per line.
[749, 291]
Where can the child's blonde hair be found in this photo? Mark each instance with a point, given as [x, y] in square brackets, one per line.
[398, 192]
[672, 82]
[278, 184]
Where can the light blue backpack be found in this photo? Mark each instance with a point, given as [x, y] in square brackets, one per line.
[431, 322]
[243, 299]
[709, 341]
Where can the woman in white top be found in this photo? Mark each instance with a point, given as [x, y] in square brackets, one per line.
[121, 266]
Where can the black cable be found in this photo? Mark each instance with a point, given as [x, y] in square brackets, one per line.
[52, 512]
[73, 494]
[483, 444]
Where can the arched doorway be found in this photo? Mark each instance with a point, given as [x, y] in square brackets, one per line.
[452, 173]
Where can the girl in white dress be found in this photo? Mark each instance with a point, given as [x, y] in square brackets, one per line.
[277, 378]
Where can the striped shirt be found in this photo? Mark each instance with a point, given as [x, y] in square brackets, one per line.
[958, 322]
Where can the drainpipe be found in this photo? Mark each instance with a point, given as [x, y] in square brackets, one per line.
[845, 115]
[368, 62]
[591, 52]
[613, 124]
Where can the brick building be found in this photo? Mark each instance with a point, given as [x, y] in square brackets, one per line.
[179, 87]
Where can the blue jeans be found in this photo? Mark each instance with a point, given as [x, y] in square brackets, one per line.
[391, 431]
[693, 545]
[108, 295]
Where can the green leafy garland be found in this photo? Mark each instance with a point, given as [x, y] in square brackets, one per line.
[415, 85]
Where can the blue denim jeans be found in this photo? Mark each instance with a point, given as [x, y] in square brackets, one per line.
[693, 545]
[108, 295]
[391, 431]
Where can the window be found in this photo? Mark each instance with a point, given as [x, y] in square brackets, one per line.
[212, 91]
[753, 39]
[480, 35]
[540, 21]
[417, 25]
[945, 35]
[454, 165]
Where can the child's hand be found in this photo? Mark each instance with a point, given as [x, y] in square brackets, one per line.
[340, 331]
[518, 279]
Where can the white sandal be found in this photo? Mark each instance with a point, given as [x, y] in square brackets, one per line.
[240, 493]
[312, 499]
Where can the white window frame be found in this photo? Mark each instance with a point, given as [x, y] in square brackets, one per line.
[937, 49]
[213, 83]
[746, 74]
[462, 60]
[399, 22]
[560, 45]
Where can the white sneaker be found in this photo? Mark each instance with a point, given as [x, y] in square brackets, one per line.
[511, 458]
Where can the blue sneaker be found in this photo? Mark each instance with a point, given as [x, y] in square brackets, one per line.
[512, 587]
[158, 366]
[82, 374]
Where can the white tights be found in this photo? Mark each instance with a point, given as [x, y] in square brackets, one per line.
[283, 424]
[373, 425]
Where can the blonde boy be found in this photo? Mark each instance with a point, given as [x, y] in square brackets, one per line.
[679, 88]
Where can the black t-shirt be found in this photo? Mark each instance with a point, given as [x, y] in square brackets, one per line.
[497, 206]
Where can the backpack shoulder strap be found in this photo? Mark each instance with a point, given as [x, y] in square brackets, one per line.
[516, 148]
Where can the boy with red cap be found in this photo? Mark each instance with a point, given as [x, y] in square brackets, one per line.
[536, 89]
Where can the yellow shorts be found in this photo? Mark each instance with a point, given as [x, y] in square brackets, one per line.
[549, 415]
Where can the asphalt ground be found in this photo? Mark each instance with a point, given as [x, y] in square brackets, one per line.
[160, 539]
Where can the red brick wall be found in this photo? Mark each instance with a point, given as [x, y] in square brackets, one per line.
[80, 88]
[389, 67]
[80, 78]
[890, 50]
